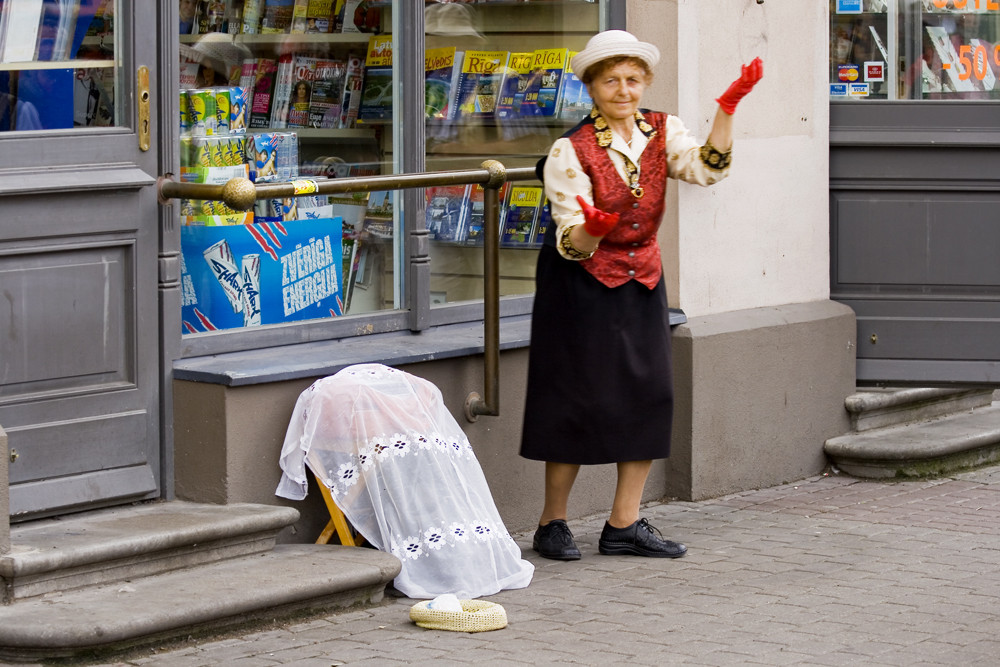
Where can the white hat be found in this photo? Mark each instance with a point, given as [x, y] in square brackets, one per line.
[612, 43]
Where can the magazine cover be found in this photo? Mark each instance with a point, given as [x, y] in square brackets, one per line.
[298, 25]
[281, 97]
[320, 16]
[575, 102]
[445, 212]
[353, 84]
[361, 16]
[479, 82]
[351, 207]
[475, 213]
[378, 223]
[522, 210]
[542, 95]
[253, 11]
[277, 16]
[441, 71]
[514, 85]
[376, 97]
[327, 93]
[303, 74]
[543, 222]
[263, 88]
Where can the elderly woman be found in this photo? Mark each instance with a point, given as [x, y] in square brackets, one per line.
[600, 385]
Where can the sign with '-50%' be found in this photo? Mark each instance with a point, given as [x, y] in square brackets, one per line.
[962, 4]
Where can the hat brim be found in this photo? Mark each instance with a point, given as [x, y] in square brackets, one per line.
[644, 51]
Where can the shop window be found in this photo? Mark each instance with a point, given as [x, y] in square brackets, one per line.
[57, 65]
[306, 89]
[914, 50]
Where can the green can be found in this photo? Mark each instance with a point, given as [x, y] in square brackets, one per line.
[223, 107]
[201, 103]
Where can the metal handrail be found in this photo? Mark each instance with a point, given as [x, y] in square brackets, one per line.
[241, 193]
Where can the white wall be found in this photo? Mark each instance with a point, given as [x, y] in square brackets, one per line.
[761, 237]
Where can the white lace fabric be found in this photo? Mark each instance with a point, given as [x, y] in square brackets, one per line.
[404, 474]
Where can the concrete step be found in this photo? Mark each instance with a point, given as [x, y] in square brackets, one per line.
[105, 546]
[922, 449]
[879, 408]
[200, 600]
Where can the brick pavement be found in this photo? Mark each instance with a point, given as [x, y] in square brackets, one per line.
[831, 570]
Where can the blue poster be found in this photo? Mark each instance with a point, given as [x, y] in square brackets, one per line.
[262, 273]
[848, 6]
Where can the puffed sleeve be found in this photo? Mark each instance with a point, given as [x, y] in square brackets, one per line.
[564, 180]
[689, 161]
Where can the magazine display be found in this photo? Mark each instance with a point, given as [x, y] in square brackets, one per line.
[442, 68]
[575, 102]
[376, 98]
[479, 82]
[521, 213]
[542, 96]
[303, 75]
[327, 93]
[445, 212]
[514, 85]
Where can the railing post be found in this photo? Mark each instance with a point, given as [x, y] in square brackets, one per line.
[476, 405]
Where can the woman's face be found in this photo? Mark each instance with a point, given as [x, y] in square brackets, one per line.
[617, 91]
[187, 8]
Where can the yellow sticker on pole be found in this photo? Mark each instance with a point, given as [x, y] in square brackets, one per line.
[305, 187]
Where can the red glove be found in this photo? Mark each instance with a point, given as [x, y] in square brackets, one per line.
[595, 221]
[749, 77]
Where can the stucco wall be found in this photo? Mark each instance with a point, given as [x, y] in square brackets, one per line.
[228, 441]
[761, 237]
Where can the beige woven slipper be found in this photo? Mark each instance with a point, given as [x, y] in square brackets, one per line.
[476, 616]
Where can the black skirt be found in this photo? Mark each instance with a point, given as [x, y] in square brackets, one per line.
[600, 382]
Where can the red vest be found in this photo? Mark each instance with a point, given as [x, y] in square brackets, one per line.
[630, 250]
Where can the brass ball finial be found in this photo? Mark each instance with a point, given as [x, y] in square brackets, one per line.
[498, 173]
[239, 194]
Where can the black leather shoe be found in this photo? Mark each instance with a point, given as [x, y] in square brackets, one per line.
[638, 540]
[554, 540]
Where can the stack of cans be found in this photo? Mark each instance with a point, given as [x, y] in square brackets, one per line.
[213, 148]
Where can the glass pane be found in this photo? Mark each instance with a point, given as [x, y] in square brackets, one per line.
[277, 90]
[57, 65]
[497, 86]
[914, 49]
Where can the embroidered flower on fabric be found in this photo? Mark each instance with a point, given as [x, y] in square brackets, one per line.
[481, 530]
[422, 441]
[347, 474]
[571, 173]
[412, 548]
[440, 443]
[400, 444]
[434, 538]
[457, 532]
[456, 446]
[381, 448]
[366, 459]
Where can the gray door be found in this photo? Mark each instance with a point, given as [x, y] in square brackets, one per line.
[79, 327]
[915, 239]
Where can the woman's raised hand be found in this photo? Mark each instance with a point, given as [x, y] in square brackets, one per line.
[595, 221]
[749, 77]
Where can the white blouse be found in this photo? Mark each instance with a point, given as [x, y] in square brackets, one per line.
[565, 177]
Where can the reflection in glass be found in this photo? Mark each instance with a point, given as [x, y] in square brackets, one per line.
[914, 50]
[497, 87]
[272, 95]
[57, 65]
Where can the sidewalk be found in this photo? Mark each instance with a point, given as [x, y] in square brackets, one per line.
[831, 570]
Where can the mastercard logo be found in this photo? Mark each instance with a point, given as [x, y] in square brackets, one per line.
[849, 74]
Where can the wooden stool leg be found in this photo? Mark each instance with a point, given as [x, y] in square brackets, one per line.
[338, 522]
